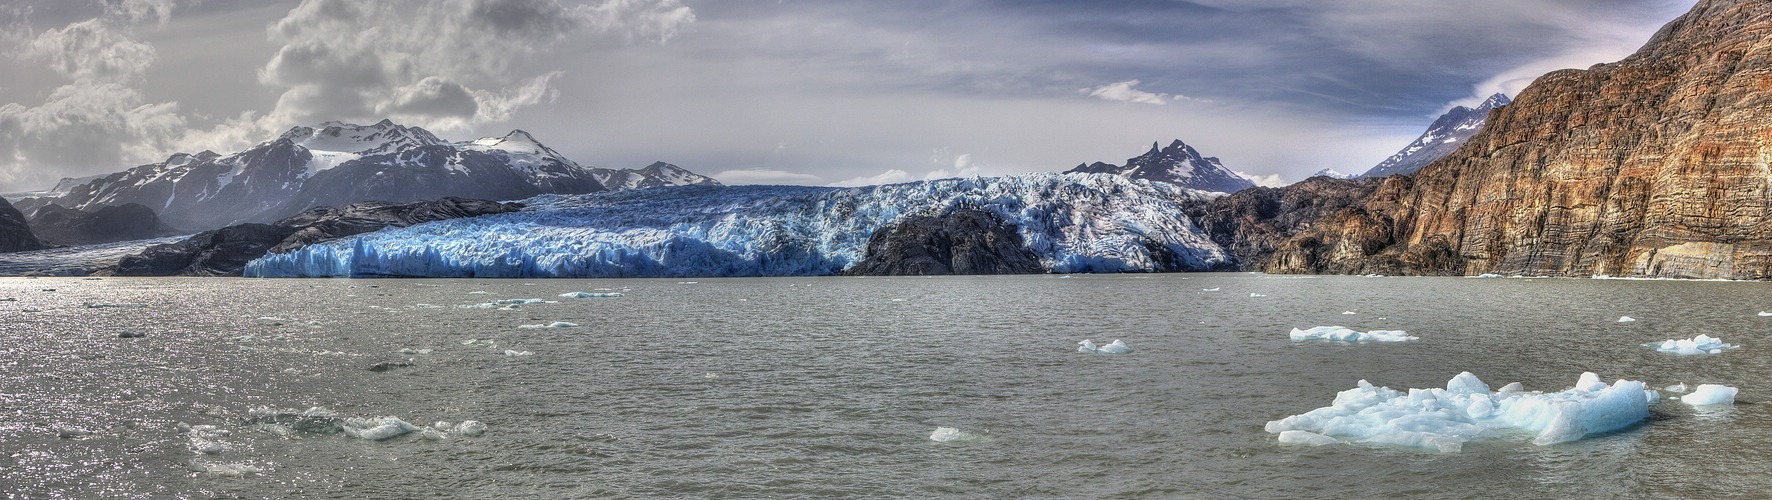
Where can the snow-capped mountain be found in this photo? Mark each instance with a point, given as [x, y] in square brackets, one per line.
[655, 175]
[1447, 133]
[1178, 164]
[1333, 174]
[336, 164]
[1072, 222]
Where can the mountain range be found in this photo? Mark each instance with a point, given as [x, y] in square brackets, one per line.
[336, 164]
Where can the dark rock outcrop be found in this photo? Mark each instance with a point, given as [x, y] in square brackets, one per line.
[59, 225]
[1654, 166]
[1254, 224]
[964, 241]
[225, 251]
[15, 234]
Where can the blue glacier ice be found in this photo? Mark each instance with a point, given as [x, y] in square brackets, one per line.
[1072, 222]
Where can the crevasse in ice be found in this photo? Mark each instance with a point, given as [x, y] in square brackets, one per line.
[1072, 222]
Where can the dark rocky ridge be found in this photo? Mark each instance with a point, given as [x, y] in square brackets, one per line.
[964, 241]
[1254, 224]
[15, 234]
[1178, 164]
[225, 251]
[59, 225]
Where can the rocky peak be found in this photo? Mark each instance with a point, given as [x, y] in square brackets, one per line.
[1448, 132]
[1178, 164]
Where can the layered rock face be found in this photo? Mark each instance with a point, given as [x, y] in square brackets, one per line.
[225, 251]
[963, 242]
[1253, 224]
[15, 235]
[1659, 165]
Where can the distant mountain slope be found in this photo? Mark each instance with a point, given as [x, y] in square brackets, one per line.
[15, 235]
[1178, 164]
[336, 164]
[1443, 137]
[1069, 222]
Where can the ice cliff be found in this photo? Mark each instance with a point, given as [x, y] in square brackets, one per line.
[1072, 222]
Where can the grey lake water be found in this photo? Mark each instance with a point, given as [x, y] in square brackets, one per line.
[831, 387]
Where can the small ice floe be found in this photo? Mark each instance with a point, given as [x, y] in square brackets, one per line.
[1489, 276]
[1214, 289]
[480, 342]
[514, 353]
[1679, 388]
[226, 470]
[506, 302]
[66, 431]
[1349, 312]
[694, 283]
[1443, 420]
[590, 295]
[1765, 313]
[1252, 295]
[478, 292]
[113, 305]
[952, 435]
[410, 350]
[1626, 319]
[1115, 347]
[376, 429]
[428, 306]
[1344, 334]
[556, 324]
[1702, 344]
[1710, 394]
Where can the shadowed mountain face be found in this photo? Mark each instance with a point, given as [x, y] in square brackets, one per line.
[1442, 138]
[1178, 164]
[58, 225]
[1655, 165]
[336, 164]
[15, 235]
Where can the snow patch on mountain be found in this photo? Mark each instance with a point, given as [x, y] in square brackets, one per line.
[1178, 164]
[1444, 136]
[1073, 222]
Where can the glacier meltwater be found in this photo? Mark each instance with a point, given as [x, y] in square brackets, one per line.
[1072, 222]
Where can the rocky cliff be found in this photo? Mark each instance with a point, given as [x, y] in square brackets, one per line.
[1657, 165]
[963, 242]
[15, 235]
[58, 225]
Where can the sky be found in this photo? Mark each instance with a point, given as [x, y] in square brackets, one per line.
[814, 92]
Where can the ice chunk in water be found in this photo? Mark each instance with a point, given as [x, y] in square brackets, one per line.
[1702, 344]
[556, 324]
[514, 353]
[1765, 313]
[506, 302]
[1710, 394]
[1306, 438]
[590, 295]
[1677, 388]
[1344, 334]
[1115, 347]
[1626, 319]
[952, 435]
[1444, 419]
[470, 428]
[376, 429]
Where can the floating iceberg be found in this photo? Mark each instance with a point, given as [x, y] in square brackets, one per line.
[1626, 319]
[1071, 222]
[376, 429]
[1115, 347]
[1444, 419]
[1765, 313]
[1254, 295]
[1702, 344]
[590, 295]
[556, 324]
[1349, 312]
[1344, 334]
[1710, 394]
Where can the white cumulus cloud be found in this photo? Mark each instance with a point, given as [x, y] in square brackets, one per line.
[1127, 91]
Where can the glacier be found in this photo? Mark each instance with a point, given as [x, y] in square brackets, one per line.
[1073, 222]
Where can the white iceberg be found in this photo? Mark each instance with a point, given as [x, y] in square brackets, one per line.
[556, 324]
[506, 302]
[515, 353]
[1253, 295]
[1765, 313]
[1444, 419]
[1710, 394]
[952, 435]
[469, 428]
[1349, 312]
[1702, 344]
[376, 429]
[1344, 334]
[590, 295]
[1626, 319]
[1115, 347]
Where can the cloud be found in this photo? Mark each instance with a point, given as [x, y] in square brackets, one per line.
[890, 176]
[763, 176]
[140, 11]
[96, 121]
[1126, 92]
[963, 167]
[1269, 180]
[440, 64]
